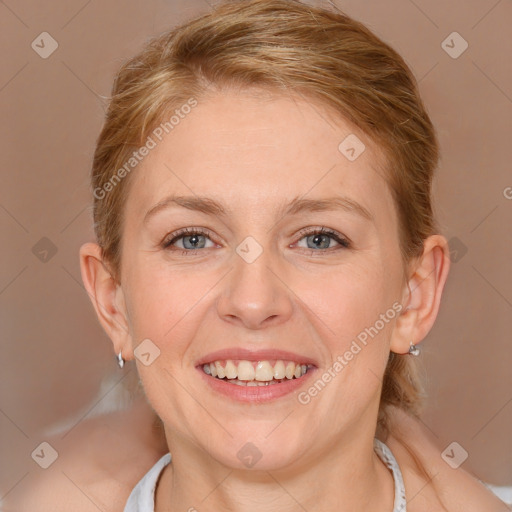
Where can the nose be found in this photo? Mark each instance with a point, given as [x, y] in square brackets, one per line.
[255, 295]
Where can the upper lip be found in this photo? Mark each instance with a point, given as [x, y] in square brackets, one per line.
[254, 355]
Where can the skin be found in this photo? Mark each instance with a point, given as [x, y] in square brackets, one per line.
[430, 483]
[102, 458]
[103, 470]
[313, 304]
[287, 298]
[99, 462]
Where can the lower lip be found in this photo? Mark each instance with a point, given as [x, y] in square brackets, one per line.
[255, 393]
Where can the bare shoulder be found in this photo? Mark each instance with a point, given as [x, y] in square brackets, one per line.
[99, 462]
[430, 483]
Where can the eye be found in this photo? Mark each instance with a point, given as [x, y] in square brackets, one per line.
[192, 238]
[319, 239]
[195, 238]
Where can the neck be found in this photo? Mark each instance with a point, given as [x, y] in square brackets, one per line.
[348, 476]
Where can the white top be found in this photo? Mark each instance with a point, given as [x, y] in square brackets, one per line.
[142, 498]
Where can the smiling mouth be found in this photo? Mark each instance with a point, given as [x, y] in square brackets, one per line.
[242, 372]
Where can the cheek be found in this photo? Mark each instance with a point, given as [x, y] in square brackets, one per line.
[347, 299]
[354, 315]
[164, 303]
[153, 305]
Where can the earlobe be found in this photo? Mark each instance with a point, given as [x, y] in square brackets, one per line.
[422, 295]
[107, 298]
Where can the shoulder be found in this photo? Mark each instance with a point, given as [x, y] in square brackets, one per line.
[430, 483]
[99, 463]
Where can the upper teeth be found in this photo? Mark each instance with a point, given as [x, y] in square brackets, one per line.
[252, 370]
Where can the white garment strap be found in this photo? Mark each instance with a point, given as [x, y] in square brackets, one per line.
[389, 460]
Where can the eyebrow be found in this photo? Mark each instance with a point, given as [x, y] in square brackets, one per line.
[297, 205]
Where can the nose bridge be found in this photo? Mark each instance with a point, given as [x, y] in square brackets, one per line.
[255, 292]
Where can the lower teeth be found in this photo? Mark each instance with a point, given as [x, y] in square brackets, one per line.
[253, 382]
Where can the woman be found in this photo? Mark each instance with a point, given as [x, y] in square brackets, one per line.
[267, 255]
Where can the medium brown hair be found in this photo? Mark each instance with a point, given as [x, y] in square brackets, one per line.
[289, 47]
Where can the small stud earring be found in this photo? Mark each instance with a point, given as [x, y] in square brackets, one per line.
[414, 350]
[120, 360]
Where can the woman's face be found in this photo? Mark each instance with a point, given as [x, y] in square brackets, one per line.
[258, 279]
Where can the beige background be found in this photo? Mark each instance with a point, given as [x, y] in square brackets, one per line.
[57, 364]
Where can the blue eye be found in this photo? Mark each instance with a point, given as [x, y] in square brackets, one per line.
[319, 235]
[195, 238]
[190, 236]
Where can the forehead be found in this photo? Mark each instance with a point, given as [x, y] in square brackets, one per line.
[256, 149]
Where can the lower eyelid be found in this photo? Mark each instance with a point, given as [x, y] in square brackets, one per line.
[342, 242]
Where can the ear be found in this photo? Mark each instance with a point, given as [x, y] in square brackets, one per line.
[422, 294]
[107, 298]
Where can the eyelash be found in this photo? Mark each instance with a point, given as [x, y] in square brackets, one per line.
[344, 242]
